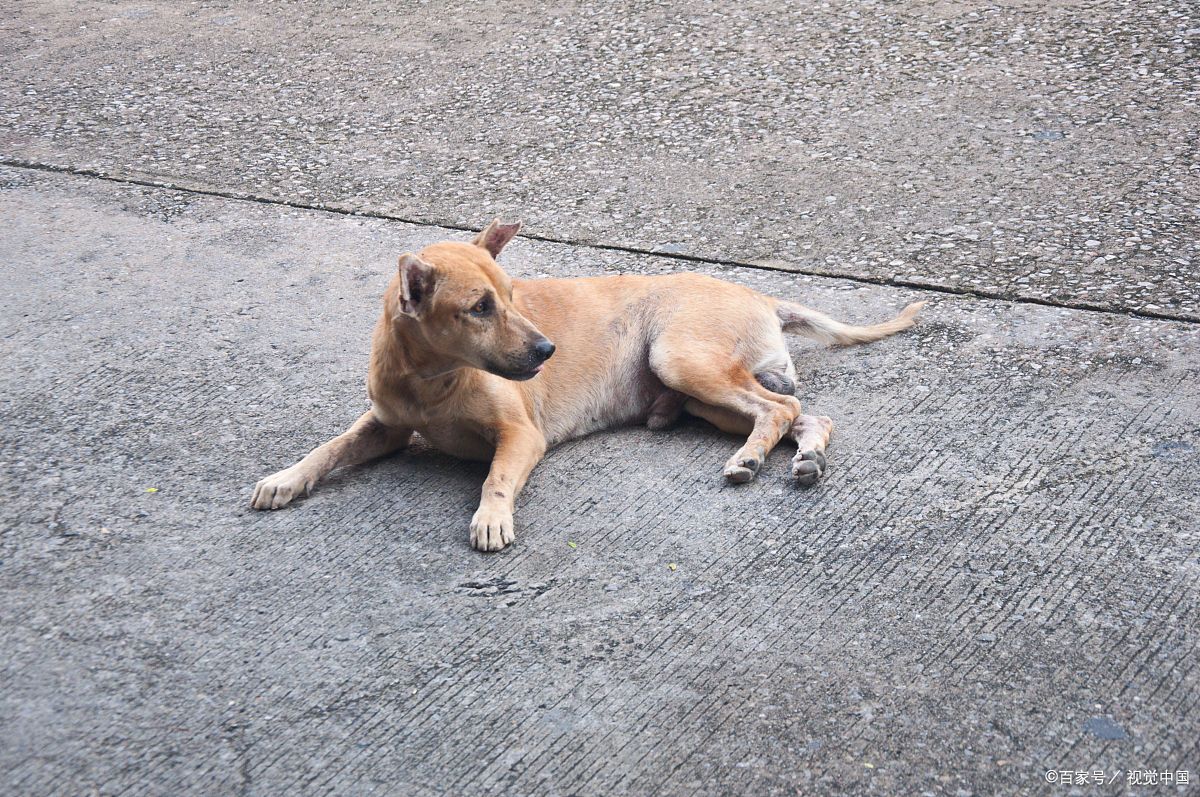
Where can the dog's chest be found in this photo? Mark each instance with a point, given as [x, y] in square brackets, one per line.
[457, 439]
[446, 431]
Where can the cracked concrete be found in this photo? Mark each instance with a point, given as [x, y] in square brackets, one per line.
[997, 578]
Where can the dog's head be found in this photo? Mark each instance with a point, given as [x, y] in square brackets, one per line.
[461, 304]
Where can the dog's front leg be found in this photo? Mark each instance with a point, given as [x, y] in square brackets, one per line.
[518, 449]
[367, 439]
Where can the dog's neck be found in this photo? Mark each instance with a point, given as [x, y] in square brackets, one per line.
[405, 355]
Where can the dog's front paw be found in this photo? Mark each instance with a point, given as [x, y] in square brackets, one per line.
[491, 528]
[279, 489]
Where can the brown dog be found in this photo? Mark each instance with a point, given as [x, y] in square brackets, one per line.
[461, 355]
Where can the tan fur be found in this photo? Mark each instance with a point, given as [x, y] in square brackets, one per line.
[456, 332]
[818, 326]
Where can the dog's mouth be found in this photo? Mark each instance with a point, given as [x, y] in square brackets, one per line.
[517, 376]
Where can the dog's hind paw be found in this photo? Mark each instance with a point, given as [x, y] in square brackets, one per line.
[280, 489]
[491, 529]
[808, 467]
[742, 469]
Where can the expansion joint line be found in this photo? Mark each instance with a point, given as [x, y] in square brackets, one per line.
[889, 282]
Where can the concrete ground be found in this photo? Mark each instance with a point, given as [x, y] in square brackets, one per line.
[998, 578]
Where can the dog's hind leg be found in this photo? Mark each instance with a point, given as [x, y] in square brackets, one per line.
[367, 439]
[735, 393]
[727, 421]
[810, 432]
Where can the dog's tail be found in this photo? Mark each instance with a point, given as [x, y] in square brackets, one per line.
[820, 327]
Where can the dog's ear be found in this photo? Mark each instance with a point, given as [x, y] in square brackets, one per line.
[417, 281]
[496, 235]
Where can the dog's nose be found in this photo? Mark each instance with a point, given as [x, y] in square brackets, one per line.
[544, 349]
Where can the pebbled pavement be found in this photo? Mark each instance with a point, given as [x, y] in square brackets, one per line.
[1042, 151]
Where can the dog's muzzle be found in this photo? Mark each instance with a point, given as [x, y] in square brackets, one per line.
[530, 365]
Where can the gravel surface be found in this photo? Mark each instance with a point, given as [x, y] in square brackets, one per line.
[1026, 149]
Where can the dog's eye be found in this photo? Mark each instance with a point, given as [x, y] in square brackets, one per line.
[482, 307]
